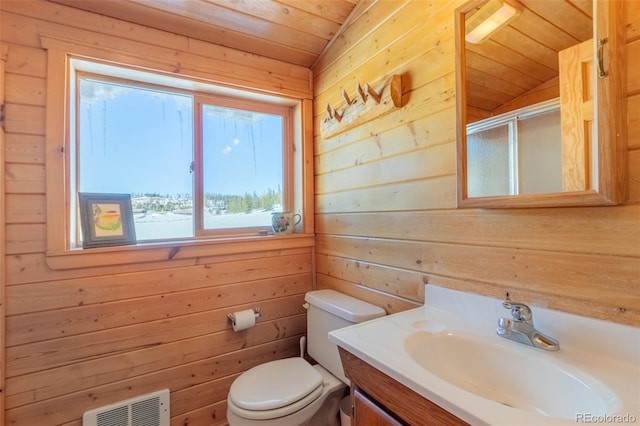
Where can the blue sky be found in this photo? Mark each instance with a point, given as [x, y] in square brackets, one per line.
[121, 154]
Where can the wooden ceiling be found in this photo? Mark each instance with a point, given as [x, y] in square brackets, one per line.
[294, 31]
[518, 58]
[524, 55]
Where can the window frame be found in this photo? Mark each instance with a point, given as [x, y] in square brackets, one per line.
[195, 72]
[510, 120]
[287, 161]
[200, 99]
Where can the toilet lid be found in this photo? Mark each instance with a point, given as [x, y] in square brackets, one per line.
[275, 384]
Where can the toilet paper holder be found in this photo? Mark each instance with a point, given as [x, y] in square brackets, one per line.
[232, 319]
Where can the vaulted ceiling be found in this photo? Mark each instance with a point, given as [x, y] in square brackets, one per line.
[524, 55]
[294, 31]
[516, 59]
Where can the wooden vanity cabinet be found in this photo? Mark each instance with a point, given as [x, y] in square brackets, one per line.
[370, 413]
[379, 400]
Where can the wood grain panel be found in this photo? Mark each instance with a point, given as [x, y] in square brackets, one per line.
[358, 29]
[21, 208]
[69, 350]
[32, 267]
[376, 242]
[211, 415]
[399, 282]
[56, 410]
[300, 20]
[422, 133]
[612, 281]
[25, 119]
[411, 166]
[26, 90]
[25, 178]
[573, 259]
[97, 287]
[385, 49]
[27, 149]
[35, 267]
[39, 386]
[102, 334]
[633, 68]
[26, 61]
[73, 18]
[185, 400]
[546, 91]
[401, 196]
[284, 30]
[390, 303]
[633, 24]
[216, 63]
[244, 22]
[633, 120]
[415, 81]
[524, 52]
[633, 174]
[402, 401]
[381, 51]
[25, 238]
[334, 11]
[368, 413]
[611, 231]
[438, 95]
[4, 49]
[578, 27]
[29, 328]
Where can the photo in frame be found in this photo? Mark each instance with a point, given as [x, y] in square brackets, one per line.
[106, 219]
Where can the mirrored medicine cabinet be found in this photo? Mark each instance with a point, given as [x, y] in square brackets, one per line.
[541, 113]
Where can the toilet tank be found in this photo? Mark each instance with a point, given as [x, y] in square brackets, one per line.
[330, 310]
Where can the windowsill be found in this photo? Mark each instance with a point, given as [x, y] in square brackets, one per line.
[180, 253]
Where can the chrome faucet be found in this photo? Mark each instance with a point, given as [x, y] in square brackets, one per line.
[520, 328]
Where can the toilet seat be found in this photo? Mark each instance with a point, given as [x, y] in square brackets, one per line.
[275, 389]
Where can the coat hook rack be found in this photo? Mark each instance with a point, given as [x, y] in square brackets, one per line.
[361, 92]
[345, 96]
[329, 111]
[371, 91]
[370, 101]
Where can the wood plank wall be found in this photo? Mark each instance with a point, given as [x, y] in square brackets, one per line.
[82, 338]
[386, 217]
[3, 59]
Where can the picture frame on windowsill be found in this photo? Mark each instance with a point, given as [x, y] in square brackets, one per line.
[106, 219]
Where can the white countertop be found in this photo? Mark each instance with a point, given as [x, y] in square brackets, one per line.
[608, 352]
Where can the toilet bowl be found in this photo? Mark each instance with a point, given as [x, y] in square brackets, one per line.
[291, 391]
[283, 409]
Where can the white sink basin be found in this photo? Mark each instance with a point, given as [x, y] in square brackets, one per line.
[448, 352]
[508, 373]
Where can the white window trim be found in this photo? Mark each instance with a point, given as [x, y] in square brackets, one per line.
[59, 253]
[510, 119]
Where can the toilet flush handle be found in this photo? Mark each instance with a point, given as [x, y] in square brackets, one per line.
[306, 306]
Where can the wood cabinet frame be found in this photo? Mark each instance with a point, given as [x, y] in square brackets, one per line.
[396, 400]
[610, 182]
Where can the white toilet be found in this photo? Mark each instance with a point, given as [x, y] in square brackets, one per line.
[292, 392]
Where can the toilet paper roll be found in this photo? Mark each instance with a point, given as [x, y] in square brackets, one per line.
[242, 320]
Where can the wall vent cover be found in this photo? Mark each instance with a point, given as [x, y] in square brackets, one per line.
[146, 410]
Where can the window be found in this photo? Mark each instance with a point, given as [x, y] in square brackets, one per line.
[196, 163]
[519, 152]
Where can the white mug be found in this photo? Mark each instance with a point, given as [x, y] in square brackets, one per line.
[283, 222]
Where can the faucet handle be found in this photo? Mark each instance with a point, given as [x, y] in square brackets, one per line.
[519, 311]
